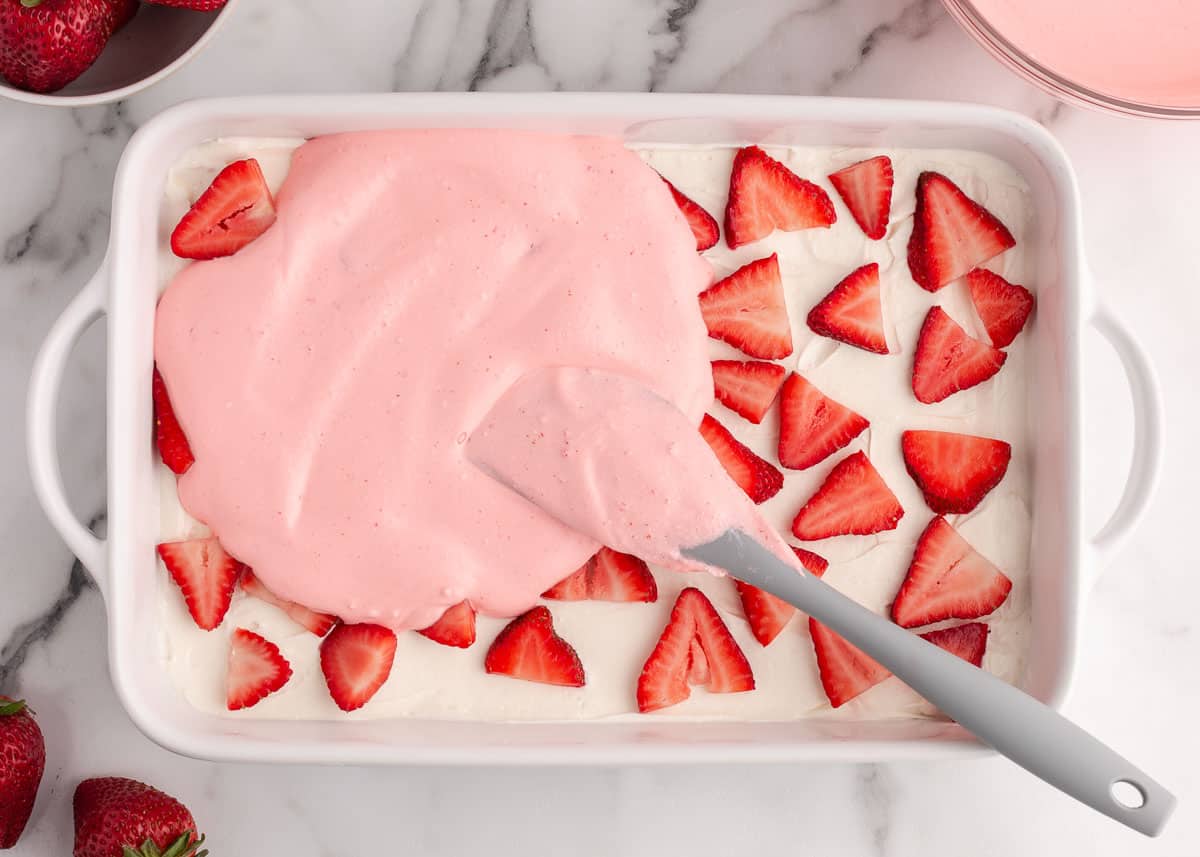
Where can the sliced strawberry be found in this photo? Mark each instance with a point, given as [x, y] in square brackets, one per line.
[948, 579]
[747, 388]
[759, 478]
[529, 649]
[846, 671]
[968, 641]
[813, 426]
[853, 312]
[616, 576]
[172, 443]
[456, 627]
[235, 209]
[206, 574]
[607, 576]
[954, 471]
[951, 233]
[853, 500]
[728, 669]
[672, 667]
[356, 660]
[747, 309]
[698, 672]
[317, 623]
[866, 188]
[816, 564]
[1004, 307]
[704, 225]
[767, 614]
[764, 195]
[573, 587]
[948, 360]
[256, 669]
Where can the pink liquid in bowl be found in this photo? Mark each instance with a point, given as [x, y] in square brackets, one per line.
[1144, 51]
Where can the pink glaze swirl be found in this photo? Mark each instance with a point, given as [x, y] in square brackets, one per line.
[328, 375]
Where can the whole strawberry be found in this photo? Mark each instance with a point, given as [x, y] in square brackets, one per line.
[22, 760]
[123, 11]
[46, 44]
[119, 817]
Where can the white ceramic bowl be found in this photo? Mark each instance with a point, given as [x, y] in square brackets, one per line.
[1064, 559]
[158, 41]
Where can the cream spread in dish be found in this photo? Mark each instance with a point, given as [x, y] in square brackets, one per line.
[642, 322]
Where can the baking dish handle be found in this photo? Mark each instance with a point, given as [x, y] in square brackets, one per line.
[41, 429]
[1148, 436]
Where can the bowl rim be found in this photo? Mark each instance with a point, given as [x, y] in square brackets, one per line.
[1063, 88]
[111, 95]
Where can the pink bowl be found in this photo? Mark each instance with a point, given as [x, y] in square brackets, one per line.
[1055, 81]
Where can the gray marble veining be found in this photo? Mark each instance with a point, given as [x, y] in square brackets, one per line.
[39, 629]
[1141, 644]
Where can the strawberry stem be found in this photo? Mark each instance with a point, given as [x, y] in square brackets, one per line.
[13, 706]
[183, 846]
[30, 4]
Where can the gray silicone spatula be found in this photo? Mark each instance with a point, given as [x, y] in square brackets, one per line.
[589, 447]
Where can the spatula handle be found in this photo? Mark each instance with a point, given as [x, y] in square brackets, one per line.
[1034, 736]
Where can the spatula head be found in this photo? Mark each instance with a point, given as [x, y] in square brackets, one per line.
[613, 460]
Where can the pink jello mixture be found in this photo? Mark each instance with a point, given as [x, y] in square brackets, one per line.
[1144, 50]
[328, 375]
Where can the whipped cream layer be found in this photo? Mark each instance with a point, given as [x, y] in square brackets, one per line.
[613, 640]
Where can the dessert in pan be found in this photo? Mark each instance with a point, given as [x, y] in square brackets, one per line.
[343, 311]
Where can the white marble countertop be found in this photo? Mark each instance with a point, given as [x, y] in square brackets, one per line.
[1137, 685]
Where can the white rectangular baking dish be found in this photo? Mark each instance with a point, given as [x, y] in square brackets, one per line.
[1063, 558]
